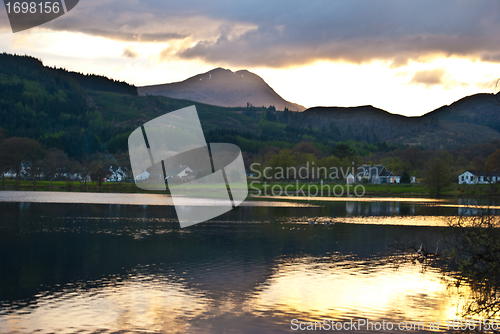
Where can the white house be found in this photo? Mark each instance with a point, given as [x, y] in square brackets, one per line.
[349, 179]
[480, 178]
[143, 176]
[394, 179]
[375, 174]
[118, 175]
[183, 172]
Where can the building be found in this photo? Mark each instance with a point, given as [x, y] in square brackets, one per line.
[376, 174]
[183, 173]
[479, 178]
[394, 179]
[143, 176]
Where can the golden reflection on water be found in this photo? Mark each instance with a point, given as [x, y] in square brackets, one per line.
[356, 199]
[398, 220]
[131, 306]
[357, 289]
[125, 199]
[307, 288]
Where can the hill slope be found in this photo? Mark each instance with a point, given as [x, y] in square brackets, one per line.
[479, 109]
[225, 88]
[84, 114]
[470, 120]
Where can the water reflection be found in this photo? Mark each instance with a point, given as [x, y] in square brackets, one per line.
[124, 199]
[348, 288]
[107, 268]
[305, 288]
[377, 208]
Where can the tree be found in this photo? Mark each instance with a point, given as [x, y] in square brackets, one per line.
[493, 161]
[413, 156]
[15, 152]
[396, 166]
[437, 175]
[473, 249]
[35, 165]
[469, 251]
[283, 159]
[84, 170]
[405, 177]
[3, 168]
[3, 133]
[54, 163]
[343, 151]
[479, 164]
[305, 147]
[97, 173]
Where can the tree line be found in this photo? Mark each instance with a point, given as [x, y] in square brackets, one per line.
[436, 168]
[26, 158]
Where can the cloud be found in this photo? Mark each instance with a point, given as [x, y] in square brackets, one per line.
[134, 37]
[490, 86]
[283, 33]
[494, 58]
[436, 77]
[359, 32]
[428, 78]
[129, 53]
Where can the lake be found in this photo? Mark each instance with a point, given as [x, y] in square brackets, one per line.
[116, 263]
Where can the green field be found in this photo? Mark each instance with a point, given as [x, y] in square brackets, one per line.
[304, 189]
[72, 186]
[337, 189]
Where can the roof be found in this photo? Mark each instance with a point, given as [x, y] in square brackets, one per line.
[377, 171]
[489, 174]
[177, 171]
[483, 173]
[386, 173]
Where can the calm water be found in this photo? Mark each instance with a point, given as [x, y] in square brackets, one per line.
[107, 268]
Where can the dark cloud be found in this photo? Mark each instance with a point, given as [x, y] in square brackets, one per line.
[126, 20]
[129, 53]
[494, 58]
[134, 37]
[358, 32]
[429, 78]
[294, 32]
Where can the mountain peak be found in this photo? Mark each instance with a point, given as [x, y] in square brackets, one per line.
[221, 70]
[225, 88]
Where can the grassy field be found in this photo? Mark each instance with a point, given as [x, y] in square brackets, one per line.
[71, 186]
[338, 189]
[393, 190]
[106, 187]
[303, 189]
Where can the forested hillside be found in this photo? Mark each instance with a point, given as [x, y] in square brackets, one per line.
[88, 118]
[82, 114]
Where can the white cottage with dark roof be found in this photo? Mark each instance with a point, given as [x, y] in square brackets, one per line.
[481, 178]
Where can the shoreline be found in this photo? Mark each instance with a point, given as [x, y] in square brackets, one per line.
[370, 190]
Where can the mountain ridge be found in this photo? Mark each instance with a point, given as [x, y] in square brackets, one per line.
[82, 114]
[223, 87]
[472, 119]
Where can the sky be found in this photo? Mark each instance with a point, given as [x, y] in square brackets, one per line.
[406, 57]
